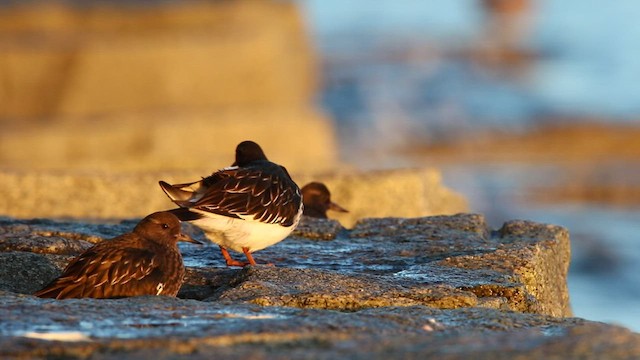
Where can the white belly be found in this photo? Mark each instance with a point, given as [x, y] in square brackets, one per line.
[236, 234]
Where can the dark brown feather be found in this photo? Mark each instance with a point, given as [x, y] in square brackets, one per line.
[129, 265]
[261, 191]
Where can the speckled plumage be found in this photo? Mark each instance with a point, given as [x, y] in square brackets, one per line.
[246, 207]
[145, 261]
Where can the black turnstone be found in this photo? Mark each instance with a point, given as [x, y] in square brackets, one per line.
[143, 262]
[246, 207]
[317, 200]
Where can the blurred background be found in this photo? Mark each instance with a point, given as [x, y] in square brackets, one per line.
[528, 108]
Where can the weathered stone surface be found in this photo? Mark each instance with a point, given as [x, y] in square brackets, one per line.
[441, 261]
[102, 195]
[150, 327]
[25, 272]
[443, 287]
[308, 288]
[315, 228]
[20, 238]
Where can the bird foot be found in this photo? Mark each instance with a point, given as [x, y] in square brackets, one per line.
[232, 262]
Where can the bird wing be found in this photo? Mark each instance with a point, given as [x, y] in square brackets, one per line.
[103, 271]
[251, 193]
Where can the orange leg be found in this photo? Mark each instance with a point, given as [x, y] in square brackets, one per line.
[246, 252]
[230, 261]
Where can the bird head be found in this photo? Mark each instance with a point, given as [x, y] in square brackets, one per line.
[162, 226]
[248, 152]
[317, 200]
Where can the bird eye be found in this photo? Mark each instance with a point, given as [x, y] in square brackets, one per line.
[165, 226]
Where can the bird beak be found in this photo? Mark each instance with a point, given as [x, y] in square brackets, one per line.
[335, 207]
[187, 238]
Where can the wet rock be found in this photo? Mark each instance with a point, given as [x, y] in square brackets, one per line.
[201, 283]
[53, 237]
[441, 261]
[21, 239]
[72, 230]
[309, 288]
[315, 228]
[146, 327]
[26, 272]
[445, 287]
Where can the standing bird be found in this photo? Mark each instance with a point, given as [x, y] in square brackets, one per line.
[143, 262]
[246, 207]
[317, 200]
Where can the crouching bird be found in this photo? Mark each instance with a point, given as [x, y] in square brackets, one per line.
[145, 261]
[246, 207]
[317, 201]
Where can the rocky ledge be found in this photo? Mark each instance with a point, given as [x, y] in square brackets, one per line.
[103, 195]
[446, 287]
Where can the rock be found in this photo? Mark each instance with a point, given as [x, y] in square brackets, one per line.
[441, 261]
[26, 272]
[445, 287]
[101, 195]
[56, 237]
[417, 192]
[543, 143]
[147, 327]
[308, 288]
[383, 193]
[200, 283]
[155, 81]
[20, 238]
[315, 228]
[168, 56]
[158, 141]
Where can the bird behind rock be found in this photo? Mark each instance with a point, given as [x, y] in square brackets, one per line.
[317, 200]
[145, 261]
[246, 207]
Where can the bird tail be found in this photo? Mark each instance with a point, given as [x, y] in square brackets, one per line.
[55, 290]
[48, 292]
[181, 194]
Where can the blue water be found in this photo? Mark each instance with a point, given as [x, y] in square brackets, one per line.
[590, 62]
[409, 71]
